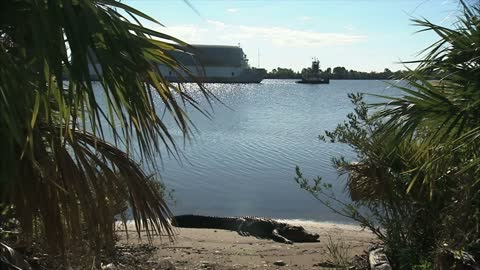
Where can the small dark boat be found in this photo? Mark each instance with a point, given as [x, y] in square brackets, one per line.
[313, 75]
[312, 81]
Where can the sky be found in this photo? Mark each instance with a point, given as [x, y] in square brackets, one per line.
[364, 35]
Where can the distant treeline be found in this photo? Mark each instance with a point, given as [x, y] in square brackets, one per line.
[337, 73]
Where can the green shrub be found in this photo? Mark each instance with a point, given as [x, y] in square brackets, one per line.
[415, 182]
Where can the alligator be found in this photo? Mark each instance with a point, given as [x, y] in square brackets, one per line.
[249, 226]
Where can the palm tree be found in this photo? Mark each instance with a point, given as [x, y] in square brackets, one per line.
[439, 116]
[416, 183]
[66, 144]
[443, 114]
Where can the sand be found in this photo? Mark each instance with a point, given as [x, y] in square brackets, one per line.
[221, 249]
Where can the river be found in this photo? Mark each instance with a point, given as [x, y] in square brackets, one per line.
[242, 161]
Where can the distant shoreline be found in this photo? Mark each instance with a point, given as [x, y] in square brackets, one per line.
[337, 73]
[335, 79]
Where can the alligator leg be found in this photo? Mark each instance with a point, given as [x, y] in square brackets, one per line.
[277, 237]
[242, 232]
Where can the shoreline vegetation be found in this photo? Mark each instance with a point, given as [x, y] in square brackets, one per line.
[337, 73]
[416, 171]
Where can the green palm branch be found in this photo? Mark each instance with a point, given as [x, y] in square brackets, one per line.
[67, 144]
[441, 108]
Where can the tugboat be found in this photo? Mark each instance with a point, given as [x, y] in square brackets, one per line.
[312, 75]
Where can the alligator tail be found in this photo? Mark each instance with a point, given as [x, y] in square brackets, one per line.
[208, 222]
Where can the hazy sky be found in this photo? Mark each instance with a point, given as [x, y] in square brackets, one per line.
[358, 34]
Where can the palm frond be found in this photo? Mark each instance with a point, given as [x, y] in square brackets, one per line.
[442, 114]
[66, 141]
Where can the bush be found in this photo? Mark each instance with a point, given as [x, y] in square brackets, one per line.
[416, 180]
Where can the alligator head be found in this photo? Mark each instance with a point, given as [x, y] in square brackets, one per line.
[298, 234]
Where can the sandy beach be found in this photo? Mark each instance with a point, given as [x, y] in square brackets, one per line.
[221, 249]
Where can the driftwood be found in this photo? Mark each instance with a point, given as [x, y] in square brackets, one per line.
[378, 260]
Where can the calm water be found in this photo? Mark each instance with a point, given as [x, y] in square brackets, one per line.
[242, 162]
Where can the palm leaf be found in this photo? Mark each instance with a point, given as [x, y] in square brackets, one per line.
[62, 166]
[442, 116]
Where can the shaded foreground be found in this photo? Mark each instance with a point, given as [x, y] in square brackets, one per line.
[221, 249]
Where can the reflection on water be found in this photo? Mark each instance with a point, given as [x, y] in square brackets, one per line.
[242, 161]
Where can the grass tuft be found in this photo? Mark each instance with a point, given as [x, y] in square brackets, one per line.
[339, 253]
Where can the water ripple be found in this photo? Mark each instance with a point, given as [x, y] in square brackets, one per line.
[242, 162]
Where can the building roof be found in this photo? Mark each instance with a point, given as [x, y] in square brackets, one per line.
[211, 55]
